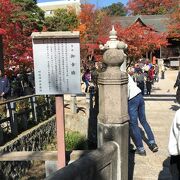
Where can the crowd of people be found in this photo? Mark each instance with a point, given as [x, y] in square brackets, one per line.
[15, 86]
[140, 80]
[145, 74]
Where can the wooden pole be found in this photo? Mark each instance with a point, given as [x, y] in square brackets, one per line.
[60, 131]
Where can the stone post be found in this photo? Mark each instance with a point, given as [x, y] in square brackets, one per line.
[113, 119]
[73, 104]
[13, 118]
[33, 106]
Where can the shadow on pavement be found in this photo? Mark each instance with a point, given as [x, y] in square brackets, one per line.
[174, 107]
[92, 121]
[131, 164]
[165, 174]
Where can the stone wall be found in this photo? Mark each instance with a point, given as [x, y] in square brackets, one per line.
[31, 140]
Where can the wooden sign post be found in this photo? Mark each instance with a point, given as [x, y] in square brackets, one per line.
[57, 72]
[60, 131]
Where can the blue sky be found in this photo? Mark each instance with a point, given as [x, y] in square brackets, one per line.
[100, 3]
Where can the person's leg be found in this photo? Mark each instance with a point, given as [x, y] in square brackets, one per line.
[133, 123]
[143, 121]
[141, 85]
[150, 87]
[147, 88]
[147, 92]
[87, 84]
[143, 88]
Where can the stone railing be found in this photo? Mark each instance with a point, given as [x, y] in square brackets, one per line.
[100, 164]
[20, 114]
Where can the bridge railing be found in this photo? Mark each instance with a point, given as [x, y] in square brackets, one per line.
[99, 164]
[20, 114]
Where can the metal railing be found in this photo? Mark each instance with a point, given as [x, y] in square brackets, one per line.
[20, 114]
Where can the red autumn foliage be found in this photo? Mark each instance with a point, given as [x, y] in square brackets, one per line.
[150, 7]
[174, 23]
[2, 31]
[140, 39]
[17, 45]
[93, 24]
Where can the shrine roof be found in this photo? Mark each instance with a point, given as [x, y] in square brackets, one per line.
[157, 22]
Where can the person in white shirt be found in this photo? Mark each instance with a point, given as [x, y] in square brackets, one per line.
[174, 146]
[136, 110]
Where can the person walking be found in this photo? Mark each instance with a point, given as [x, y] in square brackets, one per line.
[86, 79]
[174, 147]
[140, 80]
[4, 86]
[148, 86]
[136, 110]
[156, 70]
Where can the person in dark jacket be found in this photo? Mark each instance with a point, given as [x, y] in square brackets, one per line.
[148, 86]
[4, 86]
[140, 80]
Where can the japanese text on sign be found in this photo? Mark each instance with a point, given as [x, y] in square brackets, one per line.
[57, 65]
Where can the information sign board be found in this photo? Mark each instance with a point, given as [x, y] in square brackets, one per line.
[56, 62]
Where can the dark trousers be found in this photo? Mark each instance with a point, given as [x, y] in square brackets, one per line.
[141, 86]
[175, 167]
[148, 87]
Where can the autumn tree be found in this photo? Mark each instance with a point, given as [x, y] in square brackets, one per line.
[152, 7]
[140, 39]
[116, 9]
[17, 44]
[93, 25]
[174, 23]
[62, 20]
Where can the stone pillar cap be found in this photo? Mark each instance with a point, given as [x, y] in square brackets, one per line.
[113, 43]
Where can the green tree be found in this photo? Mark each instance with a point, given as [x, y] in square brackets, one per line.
[34, 16]
[62, 20]
[116, 9]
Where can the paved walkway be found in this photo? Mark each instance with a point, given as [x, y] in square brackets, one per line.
[160, 110]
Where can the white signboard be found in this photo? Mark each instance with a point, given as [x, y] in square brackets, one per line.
[56, 62]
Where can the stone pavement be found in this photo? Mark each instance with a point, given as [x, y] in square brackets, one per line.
[160, 110]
